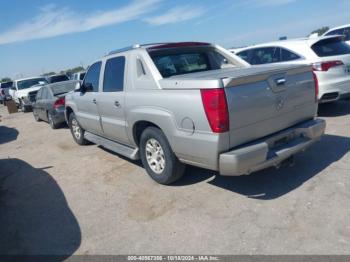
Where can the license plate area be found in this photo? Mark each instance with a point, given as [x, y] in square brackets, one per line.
[285, 140]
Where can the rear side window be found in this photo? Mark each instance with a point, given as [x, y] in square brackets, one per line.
[266, 55]
[114, 75]
[244, 55]
[331, 47]
[336, 32]
[287, 55]
[93, 76]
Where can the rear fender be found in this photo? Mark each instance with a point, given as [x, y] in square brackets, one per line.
[157, 116]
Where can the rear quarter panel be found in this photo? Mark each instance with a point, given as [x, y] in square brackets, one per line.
[180, 115]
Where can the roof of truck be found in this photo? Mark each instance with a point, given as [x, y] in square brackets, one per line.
[159, 46]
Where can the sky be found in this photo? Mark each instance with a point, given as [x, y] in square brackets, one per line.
[40, 36]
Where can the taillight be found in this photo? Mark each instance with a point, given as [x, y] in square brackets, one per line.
[325, 66]
[59, 102]
[316, 85]
[215, 106]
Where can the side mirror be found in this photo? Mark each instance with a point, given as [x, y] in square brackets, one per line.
[84, 87]
[87, 87]
[13, 88]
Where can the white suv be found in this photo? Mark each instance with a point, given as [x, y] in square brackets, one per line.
[329, 56]
[340, 30]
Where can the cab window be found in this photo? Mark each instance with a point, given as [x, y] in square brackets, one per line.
[113, 80]
[93, 76]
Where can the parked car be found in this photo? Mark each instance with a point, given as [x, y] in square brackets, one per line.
[329, 55]
[194, 103]
[57, 78]
[5, 91]
[50, 101]
[79, 76]
[340, 30]
[23, 91]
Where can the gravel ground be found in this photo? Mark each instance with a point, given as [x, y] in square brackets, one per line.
[60, 198]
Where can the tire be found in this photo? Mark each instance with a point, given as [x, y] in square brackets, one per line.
[157, 157]
[36, 117]
[20, 104]
[52, 122]
[75, 128]
[23, 108]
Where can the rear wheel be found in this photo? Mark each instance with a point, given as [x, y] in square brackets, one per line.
[76, 130]
[52, 122]
[157, 157]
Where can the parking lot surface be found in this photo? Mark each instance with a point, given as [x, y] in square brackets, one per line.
[60, 198]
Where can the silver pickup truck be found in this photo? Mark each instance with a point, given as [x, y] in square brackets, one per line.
[194, 103]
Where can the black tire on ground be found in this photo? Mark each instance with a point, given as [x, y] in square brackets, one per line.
[52, 122]
[71, 123]
[173, 168]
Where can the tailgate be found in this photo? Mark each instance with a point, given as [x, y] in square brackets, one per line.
[268, 100]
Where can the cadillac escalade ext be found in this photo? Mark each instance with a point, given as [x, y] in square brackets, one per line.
[194, 103]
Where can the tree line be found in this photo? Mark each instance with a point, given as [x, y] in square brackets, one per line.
[69, 72]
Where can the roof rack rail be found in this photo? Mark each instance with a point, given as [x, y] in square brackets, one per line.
[152, 44]
[128, 48]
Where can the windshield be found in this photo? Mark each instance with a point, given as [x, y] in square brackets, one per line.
[61, 89]
[6, 85]
[24, 84]
[60, 78]
[331, 47]
[179, 61]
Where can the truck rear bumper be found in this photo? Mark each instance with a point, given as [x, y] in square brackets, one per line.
[272, 150]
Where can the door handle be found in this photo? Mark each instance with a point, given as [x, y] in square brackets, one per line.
[117, 104]
[280, 81]
[94, 101]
